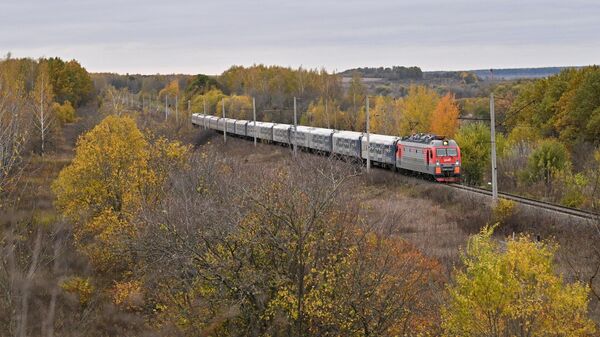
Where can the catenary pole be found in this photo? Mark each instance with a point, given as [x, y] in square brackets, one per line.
[295, 127]
[254, 116]
[204, 108]
[326, 113]
[368, 140]
[493, 139]
[176, 109]
[166, 106]
[224, 122]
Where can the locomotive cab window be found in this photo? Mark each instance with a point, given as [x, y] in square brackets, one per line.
[441, 152]
[452, 152]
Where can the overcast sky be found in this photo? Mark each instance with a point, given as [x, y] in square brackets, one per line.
[175, 36]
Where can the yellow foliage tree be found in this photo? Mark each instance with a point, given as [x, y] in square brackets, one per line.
[81, 287]
[208, 102]
[417, 108]
[238, 107]
[322, 113]
[109, 167]
[355, 116]
[514, 291]
[383, 115]
[172, 89]
[115, 170]
[65, 112]
[444, 119]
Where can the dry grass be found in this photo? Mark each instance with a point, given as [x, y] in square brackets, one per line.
[436, 219]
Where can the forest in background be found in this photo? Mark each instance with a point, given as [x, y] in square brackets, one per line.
[548, 129]
[134, 241]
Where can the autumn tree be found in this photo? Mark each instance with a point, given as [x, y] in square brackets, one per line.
[514, 291]
[42, 98]
[563, 106]
[13, 122]
[444, 119]
[207, 103]
[238, 107]
[416, 111]
[65, 113]
[355, 104]
[383, 114]
[70, 81]
[322, 113]
[227, 253]
[113, 100]
[385, 287]
[114, 172]
[171, 90]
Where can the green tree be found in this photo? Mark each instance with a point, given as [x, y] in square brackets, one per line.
[70, 81]
[200, 84]
[549, 158]
[474, 142]
[513, 291]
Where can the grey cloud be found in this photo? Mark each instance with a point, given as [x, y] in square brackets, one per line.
[192, 36]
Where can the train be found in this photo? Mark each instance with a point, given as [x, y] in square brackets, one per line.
[430, 155]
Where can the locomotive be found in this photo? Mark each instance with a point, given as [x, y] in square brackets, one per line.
[426, 154]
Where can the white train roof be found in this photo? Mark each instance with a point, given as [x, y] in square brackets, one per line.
[347, 134]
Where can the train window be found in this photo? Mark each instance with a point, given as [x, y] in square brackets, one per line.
[452, 152]
[440, 152]
[430, 154]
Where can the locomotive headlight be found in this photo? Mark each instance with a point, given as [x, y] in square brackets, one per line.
[457, 163]
[437, 163]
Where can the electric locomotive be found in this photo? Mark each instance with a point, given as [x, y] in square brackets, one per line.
[429, 154]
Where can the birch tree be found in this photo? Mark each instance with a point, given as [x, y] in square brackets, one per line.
[41, 101]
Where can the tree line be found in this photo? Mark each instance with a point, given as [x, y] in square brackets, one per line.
[36, 98]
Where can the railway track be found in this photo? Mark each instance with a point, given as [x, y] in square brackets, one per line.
[582, 214]
[532, 202]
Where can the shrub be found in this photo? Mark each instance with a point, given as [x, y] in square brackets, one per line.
[65, 112]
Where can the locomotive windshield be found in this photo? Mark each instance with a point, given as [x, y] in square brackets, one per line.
[451, 152]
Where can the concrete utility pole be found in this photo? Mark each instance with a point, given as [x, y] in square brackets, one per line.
[224, 122]
[493, 136]
[42, 117]
[368, 140]
[295, 127]
[166, 106]
[189, 107]
[204, 107]
[176, 109]
[254, 116]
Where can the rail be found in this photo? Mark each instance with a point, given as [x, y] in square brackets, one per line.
[532, 202]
